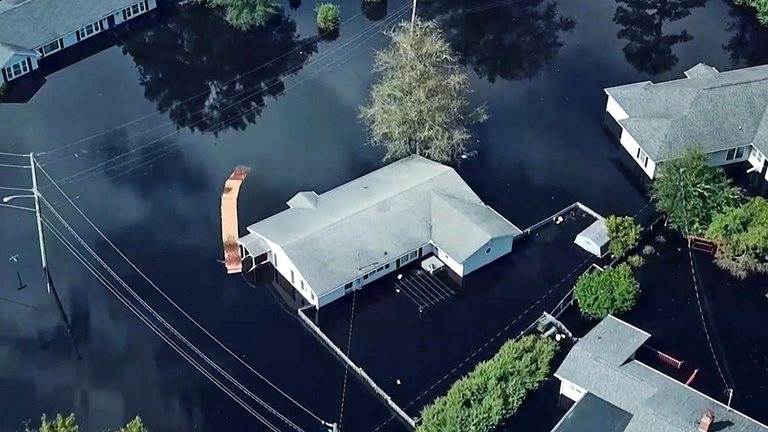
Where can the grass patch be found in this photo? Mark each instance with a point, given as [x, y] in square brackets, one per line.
[494, 390]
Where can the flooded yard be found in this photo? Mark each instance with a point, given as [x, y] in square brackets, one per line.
[143, 128]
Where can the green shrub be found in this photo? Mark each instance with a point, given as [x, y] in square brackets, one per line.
[246, 14]
[611, 291]
[494, 390]
[742, 234]
[328, 16]
[69, 424]
[623, 234]
[635, 261]
[760, 6]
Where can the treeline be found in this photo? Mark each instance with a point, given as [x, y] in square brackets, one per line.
[69, 424]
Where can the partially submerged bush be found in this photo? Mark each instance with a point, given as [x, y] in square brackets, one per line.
[611, 291]
[635, 261]
[328, 17]
[494, 390]
[742, 235]
[649, 250]
[623, 233]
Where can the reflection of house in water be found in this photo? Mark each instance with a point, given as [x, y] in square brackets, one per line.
[331, 244]
[32, 30]
[612, 391]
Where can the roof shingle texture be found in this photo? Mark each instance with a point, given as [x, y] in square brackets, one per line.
[709, 110]
[601, 363]
[33, 23]
[352, 229]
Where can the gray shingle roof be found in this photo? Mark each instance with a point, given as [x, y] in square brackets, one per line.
[600, 363]
[379, 217]
[709, 110]
[33, 23]
[593, 414]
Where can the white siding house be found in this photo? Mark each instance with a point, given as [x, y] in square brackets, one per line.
[612, 391]
[58, 25]
[331, 244]
[722, 114]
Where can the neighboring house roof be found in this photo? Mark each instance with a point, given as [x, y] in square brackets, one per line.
[601, 363]
[8, 51]
[33, 23]
[708, 110]
[591, 413]
[337, 236]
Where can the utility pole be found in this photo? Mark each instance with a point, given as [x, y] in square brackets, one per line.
[413, 15]
[43, 256]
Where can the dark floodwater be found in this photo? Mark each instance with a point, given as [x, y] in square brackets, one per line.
[539, 64]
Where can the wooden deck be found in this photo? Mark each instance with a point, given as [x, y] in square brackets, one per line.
[229, 223]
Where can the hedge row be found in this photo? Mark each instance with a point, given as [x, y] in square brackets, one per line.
[494, 390]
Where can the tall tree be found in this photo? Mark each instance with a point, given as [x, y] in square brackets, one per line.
[748, 45]
[742, 234]
[69, 424]
[207, 86]
[419, 105]
[691, 192]
[649, 46]
[245, 14]
[623, 233]
[501, 40]
[760, 8]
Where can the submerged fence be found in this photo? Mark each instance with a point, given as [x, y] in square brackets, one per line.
[360, 372]
[553, 218]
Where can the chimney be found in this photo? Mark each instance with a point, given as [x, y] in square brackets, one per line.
[707, 418]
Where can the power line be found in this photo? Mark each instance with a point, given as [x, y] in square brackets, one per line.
[158, 317]
[174, 146]
[179, 308]
[17, 207]
[14, 154]
[16, 189]
[14, 166]
[346, 367]
[385, 22]
[101, 278]
[207, 92]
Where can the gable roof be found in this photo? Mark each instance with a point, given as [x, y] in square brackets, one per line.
[708, 110]
[33, 23]
[337, 236]
[601, 364]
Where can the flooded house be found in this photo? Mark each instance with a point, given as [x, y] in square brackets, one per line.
[328, 245]
[612, 391]
[31, 30]
[723, 114]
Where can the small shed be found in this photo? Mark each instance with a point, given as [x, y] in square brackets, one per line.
[594, 239]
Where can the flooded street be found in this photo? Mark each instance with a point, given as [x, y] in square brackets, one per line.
[143, 127]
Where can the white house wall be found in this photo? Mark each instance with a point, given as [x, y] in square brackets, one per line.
[285, 266]
[718, 158]
[571, 390]
[615, 110]
[496, 248]
[631, 146]
[453, 265]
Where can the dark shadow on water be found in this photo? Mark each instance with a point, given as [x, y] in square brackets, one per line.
[374, 10]
[508, 41]
[328, 36]
[749, 44]
[228, 74]
[649, 45]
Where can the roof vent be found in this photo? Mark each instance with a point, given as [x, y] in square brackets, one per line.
[707, 418]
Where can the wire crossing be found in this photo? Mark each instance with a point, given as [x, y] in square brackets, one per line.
[176, 306]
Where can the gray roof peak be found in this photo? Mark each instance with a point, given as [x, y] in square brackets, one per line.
[306, 199]
[701, 71]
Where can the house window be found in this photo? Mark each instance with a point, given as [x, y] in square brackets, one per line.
[51, 47]
[17, 69]
[302, 284]
[275, 259]
[380, 269]
[413, 255]
[365, 276]
[292, 282]
[739, 152]
[143, 6]
[386, 266]
[348, 286]
[730, 155]
[642, 157]
[403, 259]
[488, 250]
[135, 9]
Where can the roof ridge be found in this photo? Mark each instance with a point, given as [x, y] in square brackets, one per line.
[732, 84]
[338, 221]
[443, 195]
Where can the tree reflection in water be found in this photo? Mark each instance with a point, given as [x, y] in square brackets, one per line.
[507, 40]
[749, 44]
[648, 48]
[197, 51]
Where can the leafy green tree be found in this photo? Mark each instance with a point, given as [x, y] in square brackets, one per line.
[69, 424]
[691, 192]
[419, 105]
[245, 14]
[760, 6]
[742, 234]
[494, 390]
[611, 291]
[623, 233]
[328, 16]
